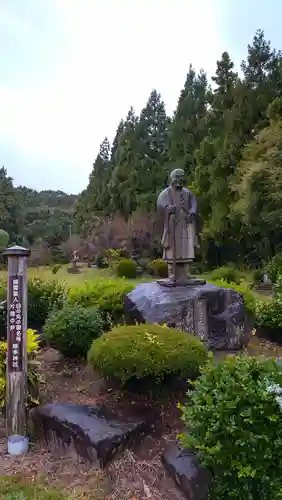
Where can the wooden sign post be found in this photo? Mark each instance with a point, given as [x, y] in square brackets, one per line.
[16, 387]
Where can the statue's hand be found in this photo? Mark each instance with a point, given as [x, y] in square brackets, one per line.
[171, 209]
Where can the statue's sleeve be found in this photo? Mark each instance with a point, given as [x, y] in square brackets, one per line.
[162, 203]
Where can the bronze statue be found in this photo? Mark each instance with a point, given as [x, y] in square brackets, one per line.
[178, 207]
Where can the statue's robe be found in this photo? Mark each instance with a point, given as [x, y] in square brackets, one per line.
[179, 235]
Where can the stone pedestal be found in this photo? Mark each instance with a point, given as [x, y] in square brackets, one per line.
[215, 315]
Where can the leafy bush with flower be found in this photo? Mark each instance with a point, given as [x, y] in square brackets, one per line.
[33, 375]
[154, 352]
[234, 424]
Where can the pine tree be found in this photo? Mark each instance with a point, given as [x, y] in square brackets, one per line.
[121, 190]
[151, 163]
[188, 125]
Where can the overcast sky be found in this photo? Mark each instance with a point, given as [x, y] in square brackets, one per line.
[70, 69]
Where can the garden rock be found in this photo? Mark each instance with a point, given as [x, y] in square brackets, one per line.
[213, 314]
[193, 479]
[88, 432]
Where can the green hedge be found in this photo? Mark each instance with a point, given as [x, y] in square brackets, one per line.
[43, 297]
[129, 353]
[227, 273]
[107, 295]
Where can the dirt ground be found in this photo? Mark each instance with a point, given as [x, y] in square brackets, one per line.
[136, 475]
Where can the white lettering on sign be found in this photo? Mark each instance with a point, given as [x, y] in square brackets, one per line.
[15, 324]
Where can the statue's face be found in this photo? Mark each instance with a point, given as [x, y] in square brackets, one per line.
[177, 179]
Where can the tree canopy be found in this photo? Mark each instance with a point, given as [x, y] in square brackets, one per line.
[227, 136]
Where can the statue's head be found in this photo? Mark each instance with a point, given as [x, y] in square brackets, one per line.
[177, 178]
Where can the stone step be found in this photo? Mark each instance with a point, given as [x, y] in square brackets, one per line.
[87, 432]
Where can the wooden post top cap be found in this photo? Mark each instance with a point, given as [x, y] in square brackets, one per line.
[16, 251]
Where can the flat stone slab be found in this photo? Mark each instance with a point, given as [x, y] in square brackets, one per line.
[91, 433]
[215, 315]
[183, 466]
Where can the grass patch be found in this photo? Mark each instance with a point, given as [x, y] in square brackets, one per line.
[15, 488]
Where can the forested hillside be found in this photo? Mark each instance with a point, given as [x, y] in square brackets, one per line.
[227, 135]
[32, 217]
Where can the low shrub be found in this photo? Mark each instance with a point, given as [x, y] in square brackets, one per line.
[234, 423]
[159, 268]
[33, 376]
[144, 264]
[43, 297]
[126, 268]
[269, 313]
[154, 352]
[246, 292]
[258, 276]
[274, 267]
[106, 294]
[101, 261]
[56, 268]
[72, 329]
[228, 274]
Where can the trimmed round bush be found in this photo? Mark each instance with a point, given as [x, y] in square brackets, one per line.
[127, 268]
[72, 329]
[228, 274]
[234, 424]
[159, 268]
[131, 353]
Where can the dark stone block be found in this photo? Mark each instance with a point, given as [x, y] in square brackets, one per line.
[91, 433]
[193, 479]
[215, 315]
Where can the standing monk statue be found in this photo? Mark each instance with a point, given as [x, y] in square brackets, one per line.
[178, 207]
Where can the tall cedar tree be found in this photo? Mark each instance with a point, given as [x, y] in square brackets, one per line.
[188, 126]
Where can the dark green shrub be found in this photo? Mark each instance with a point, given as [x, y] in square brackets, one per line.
[144, 264]
[56, 268]
[269, 313]
[4, 239]
[159, 268]
[106, 294]
[43, 297]
[274, 267]
[126, 268]
[72, 329]
[154, 352]
[228, 274]
[258, 276]
[234, 423]
[101, 261]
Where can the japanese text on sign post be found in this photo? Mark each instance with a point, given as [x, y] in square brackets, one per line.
[15, 324]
